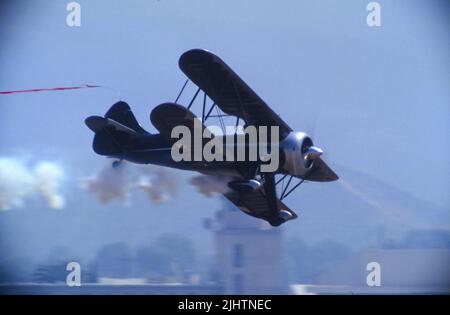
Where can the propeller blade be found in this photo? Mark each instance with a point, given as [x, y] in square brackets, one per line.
[313, 152]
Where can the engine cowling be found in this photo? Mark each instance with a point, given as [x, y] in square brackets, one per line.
[299, 153]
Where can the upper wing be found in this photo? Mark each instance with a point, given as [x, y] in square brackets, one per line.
[228, 90]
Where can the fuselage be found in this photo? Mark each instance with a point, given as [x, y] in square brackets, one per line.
[156, 149]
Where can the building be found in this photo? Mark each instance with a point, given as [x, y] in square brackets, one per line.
[402, 271]
[247, 260]
[248, 254]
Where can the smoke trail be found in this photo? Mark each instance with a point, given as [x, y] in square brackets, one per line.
[48, 177]
[118, 183]
[109, 184]
[18, 182]
[208, 185]
[159, 184]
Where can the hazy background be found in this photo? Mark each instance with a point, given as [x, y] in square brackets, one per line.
[376, 99]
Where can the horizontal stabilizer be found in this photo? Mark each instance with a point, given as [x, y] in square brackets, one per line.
[95, 123]
[111, 137]
[98, 124]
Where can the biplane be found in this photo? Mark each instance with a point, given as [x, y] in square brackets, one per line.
[119, 135]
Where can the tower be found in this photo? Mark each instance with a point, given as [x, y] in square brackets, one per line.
[248, 253]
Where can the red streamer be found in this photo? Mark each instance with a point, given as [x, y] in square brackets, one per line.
[53, 89]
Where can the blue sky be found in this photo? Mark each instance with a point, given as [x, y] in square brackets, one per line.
[378, 97]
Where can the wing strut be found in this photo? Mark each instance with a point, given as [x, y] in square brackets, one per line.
[193, 99]
[208, 114]
[281, 179]
[285, 192]
[210, 110]
[204, 106]
[181, 91]
[240, 102]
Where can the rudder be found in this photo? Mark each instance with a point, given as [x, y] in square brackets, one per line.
[121, 112]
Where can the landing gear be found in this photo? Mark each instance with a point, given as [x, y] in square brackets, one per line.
[245, 186]
[281, 217]
[116, 163]
[276, 221]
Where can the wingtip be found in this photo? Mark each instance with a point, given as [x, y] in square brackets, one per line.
[196, 55]
[95, 123]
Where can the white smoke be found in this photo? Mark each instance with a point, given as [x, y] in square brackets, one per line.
[19, 182]
[159, 184]
[109, 184]
[208, 185]
[48, 177]
[118, 183]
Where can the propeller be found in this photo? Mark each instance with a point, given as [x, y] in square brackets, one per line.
[311, 153]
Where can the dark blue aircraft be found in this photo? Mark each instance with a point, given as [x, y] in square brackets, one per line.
[253, 190]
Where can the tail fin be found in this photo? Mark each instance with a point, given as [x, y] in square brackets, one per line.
[122, 113]
[115, 133]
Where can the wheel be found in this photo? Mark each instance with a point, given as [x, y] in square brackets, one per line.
[276, 221]
[116, 163]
